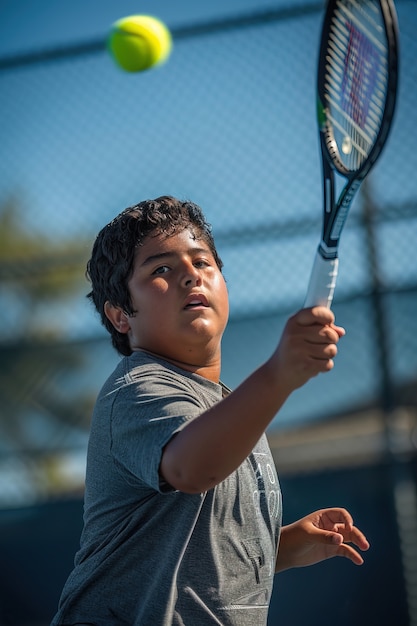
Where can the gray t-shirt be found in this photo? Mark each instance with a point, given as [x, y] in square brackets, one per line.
[152, 556]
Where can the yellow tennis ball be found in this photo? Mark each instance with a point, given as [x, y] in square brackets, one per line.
[139, 42]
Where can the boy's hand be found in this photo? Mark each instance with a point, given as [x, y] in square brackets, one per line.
[307, 346]
[319, 536]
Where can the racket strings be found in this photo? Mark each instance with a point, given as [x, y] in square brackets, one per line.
[356, 79]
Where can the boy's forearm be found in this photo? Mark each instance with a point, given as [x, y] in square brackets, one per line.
[283, 560]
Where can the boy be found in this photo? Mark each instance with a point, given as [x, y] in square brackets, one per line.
[182, 519]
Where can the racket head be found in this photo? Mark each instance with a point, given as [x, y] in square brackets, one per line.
[357, 82]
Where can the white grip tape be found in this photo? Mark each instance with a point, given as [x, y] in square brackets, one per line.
[322, 282]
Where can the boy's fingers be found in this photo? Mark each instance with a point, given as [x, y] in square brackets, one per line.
[318, 315]
[315, 315]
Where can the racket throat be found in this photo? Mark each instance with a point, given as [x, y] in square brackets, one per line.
[326, 252]
[335, 220]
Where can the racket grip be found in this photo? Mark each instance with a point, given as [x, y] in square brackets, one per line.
[322, 282]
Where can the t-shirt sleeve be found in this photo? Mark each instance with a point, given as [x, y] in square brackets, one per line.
[147, 411]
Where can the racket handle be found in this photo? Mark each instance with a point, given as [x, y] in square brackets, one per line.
[322, 281]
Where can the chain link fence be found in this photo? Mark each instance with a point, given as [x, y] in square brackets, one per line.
[228, 122]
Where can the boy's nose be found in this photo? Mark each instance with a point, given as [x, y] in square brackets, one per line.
[191, 277]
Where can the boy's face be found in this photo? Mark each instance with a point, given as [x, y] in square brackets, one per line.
[181, 300]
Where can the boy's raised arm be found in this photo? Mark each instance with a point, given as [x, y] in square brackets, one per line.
[213, 445]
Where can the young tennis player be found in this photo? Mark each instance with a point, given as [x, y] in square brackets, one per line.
[182, 522]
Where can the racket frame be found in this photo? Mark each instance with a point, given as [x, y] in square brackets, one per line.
[325, 267]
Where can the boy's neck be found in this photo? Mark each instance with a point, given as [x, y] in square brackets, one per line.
[210, 370]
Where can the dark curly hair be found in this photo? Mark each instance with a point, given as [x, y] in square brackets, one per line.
[112, 260]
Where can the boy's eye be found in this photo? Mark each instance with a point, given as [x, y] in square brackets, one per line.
[201, 263]
[161, 269]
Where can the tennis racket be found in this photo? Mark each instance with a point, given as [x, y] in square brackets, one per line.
[356, 93]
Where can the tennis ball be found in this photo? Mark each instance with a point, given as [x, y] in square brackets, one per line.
[138, 42]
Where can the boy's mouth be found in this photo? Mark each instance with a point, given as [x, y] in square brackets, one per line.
[196, 301]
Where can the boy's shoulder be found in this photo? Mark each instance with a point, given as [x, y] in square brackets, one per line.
[154, 374]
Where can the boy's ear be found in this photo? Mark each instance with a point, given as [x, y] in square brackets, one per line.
[117, 317]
